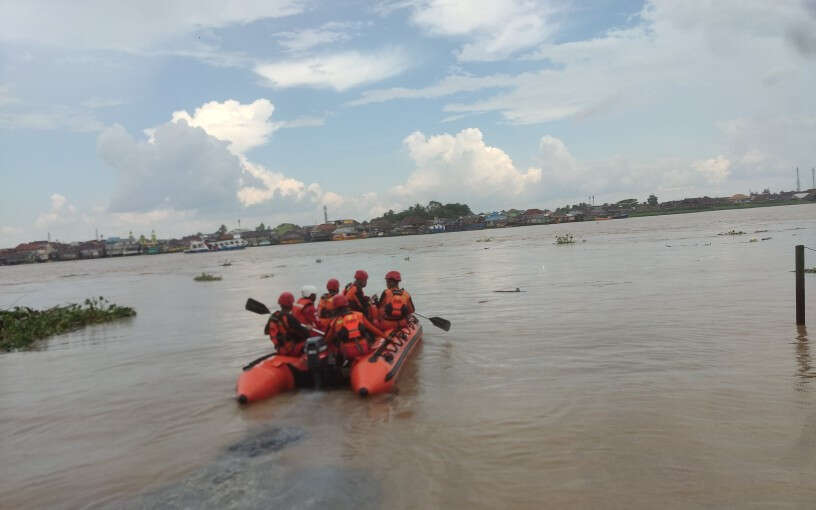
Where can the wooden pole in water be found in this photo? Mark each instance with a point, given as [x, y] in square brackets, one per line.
[800, 284]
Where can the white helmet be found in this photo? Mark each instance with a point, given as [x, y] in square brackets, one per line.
[308, 290]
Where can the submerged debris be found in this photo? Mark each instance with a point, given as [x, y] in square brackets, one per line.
[732, 232]
[226, 263]
[484, 240]
[250, 474]
[516, 290]
[207, 277]
[271, 439]
[21, 326]
[267, 275]
[318, 260]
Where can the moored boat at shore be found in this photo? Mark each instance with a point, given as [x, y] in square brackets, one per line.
[228, 245]
[197, 247]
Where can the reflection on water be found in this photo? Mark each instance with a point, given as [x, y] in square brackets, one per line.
[248, 475]
[634, 371]
[806, 372]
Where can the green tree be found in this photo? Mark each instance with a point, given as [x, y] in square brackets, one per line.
[260, 228]
[222, 230]
[285, 227]
[652, 200]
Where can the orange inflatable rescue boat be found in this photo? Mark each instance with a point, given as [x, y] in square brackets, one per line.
[372, 374]
[378, 372]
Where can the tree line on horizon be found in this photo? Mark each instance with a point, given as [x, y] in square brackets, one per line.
[434, 209]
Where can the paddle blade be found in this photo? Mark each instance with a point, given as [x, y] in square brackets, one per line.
[257, 307]
[440, 323]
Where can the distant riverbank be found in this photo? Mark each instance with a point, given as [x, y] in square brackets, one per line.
[720, 208]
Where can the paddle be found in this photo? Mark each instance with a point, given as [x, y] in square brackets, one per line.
[257, 307]
[262, 309]
[439, 322]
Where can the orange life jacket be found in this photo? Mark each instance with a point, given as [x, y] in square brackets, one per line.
[395, 304]
[325, 308]
[299, 313]
[351, 292]
[350, 332]
[349, 326]
[277, 327]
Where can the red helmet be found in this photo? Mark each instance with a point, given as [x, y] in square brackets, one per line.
[361, 275]
[333, 285]
[393, 275]
[339, 301]
[286, 299]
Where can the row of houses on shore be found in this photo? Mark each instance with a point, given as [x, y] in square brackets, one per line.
[345, 229]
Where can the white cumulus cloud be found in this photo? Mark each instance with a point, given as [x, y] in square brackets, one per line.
[61, 212]
[244, 126]
[183, 168]
[197, 162]
[274, 185]
[462, 164]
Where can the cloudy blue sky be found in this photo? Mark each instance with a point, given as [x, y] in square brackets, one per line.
[180, 116]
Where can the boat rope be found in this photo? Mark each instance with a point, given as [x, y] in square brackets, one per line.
[809, 248]
[391, 346]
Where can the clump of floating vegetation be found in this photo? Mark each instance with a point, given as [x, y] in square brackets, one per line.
[207, 277]
[810, 269]
[732, 232]
[567, 238]
[21, 325]
[484, 240]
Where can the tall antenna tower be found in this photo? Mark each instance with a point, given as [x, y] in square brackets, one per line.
[813, 177]
[325, 214]
[798, 186]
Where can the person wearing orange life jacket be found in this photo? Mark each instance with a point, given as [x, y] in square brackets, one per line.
[358, 301]
[304, 309]
[351, 331]
[285, 331]
[395, 304]
[325, 309]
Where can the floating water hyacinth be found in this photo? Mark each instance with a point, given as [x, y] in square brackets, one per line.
[567, 238]
[21, 326]
[207, 277]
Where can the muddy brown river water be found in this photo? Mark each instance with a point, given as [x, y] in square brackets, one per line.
[653, 364]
